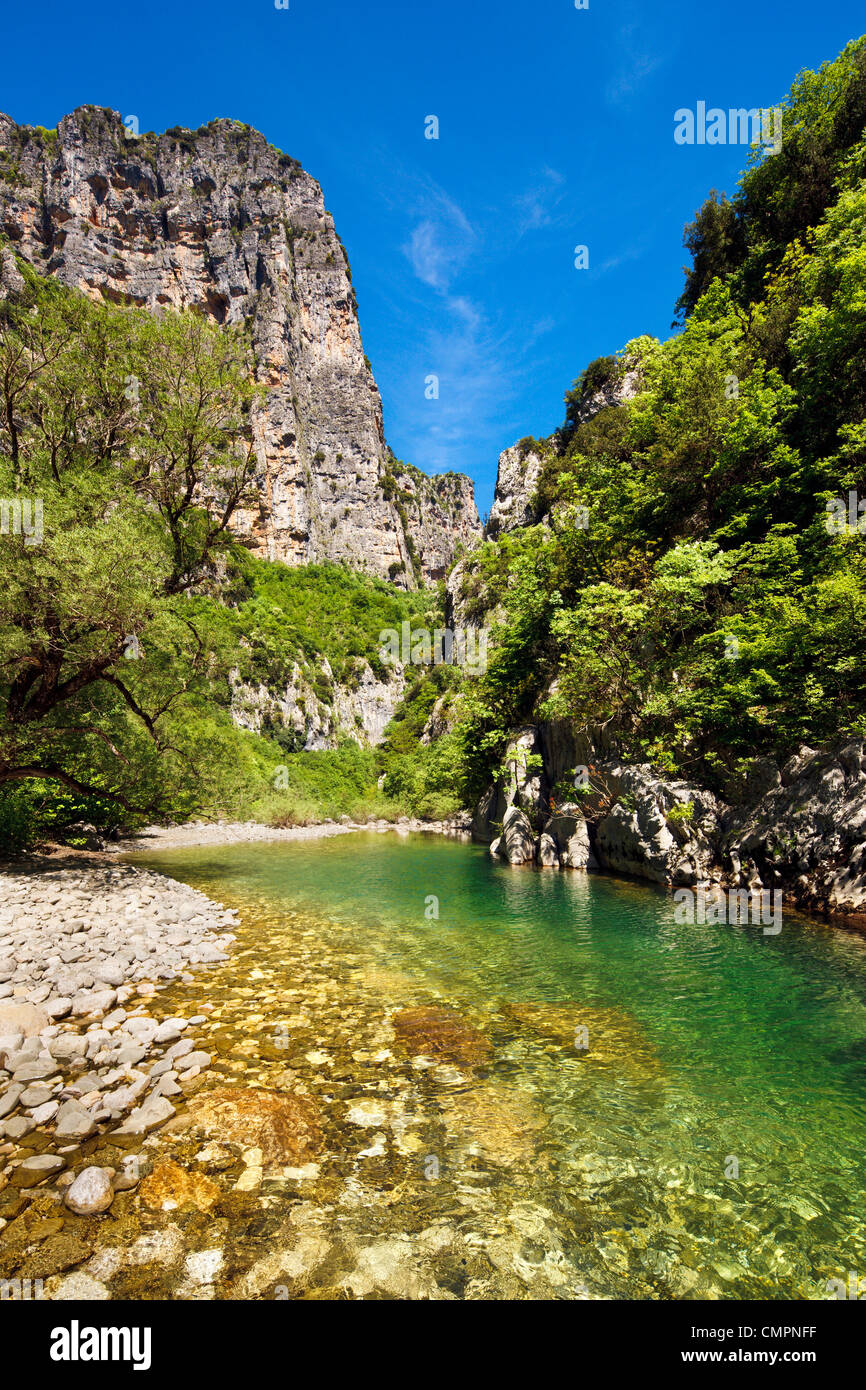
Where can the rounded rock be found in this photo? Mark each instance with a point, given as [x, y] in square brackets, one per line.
[36, 1169]
[91, 1192]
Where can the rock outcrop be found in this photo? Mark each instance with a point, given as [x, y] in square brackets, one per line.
[520, 466]
[807, 831]
[219, 220]
[516, 843]
[516, 480]
[360, 710]
[800, 828]
[655, 828]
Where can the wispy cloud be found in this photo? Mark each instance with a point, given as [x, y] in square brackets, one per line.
[441, 240]
[538, 206]
[638, 60]
[632, 253]
[447, 323]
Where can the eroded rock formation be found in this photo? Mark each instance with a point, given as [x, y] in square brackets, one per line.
[797, 828]
[220, 220]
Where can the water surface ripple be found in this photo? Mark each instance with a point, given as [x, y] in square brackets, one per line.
[703, 1138]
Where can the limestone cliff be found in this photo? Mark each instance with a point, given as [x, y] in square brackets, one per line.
[220, 220]
[516, 480]
[316, 717]
[797, 828]
[520, 466]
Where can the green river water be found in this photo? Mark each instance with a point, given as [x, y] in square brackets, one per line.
[702, 1138]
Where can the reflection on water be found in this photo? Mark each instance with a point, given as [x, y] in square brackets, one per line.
[537, 1084]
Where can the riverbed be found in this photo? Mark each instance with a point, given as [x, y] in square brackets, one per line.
[598, 1102]
[432, 1076]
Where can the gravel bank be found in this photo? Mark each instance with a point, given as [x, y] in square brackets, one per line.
[82, 952]
[200, 833]
[85, 948]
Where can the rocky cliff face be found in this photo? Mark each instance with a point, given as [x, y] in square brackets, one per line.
[798, 829]
[219, 220]
[359, 711]
[516, 481]
[520, 466]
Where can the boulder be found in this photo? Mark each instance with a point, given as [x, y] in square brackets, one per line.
[547, 852]
[36, 1169]
[29, 1019]
[657, 828]
[74, 1123]
[91, 1192]
[518, 843]
[570, 833]
[155, 1111]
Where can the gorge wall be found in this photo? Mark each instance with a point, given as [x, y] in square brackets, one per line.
[220, 220]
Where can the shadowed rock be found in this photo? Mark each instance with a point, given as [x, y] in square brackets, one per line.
[441, 1033]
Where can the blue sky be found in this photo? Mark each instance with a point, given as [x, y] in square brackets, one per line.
[555, 130]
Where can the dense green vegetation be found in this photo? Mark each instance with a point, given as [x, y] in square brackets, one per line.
[686, 590]
[685, 587]
[126, 608]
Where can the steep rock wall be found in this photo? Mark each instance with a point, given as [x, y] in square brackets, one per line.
[220, 220]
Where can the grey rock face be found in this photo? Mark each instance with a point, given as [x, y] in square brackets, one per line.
[220, 220]
[807, 832]
[569, 832]
[522, 786]
[547, 852]
[360, 711]
[519, 468]
[516, 480]
[517, 844]
[800, 828]
[663, 830]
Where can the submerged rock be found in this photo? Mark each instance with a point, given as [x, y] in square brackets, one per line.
[442, 1033]
[394, 1267]
[169, 1186]
[283, 1125]
[597, 1035]
[500, 1122]
[75, 1288]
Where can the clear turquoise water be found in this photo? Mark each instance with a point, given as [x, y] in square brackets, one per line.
[731, 1052]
